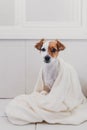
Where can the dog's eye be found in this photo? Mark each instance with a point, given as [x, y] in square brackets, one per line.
[53, 50]
[43, 49]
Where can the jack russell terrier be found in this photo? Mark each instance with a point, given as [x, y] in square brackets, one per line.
[49, 51]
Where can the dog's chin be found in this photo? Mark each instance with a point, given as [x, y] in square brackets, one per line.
[47, 61]
[50, 61]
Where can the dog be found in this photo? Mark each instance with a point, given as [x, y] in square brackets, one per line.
[49, 51]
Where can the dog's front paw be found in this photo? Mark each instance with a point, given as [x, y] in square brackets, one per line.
[44, 92]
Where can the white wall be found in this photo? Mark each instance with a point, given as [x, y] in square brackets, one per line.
[7, 12]
[30, 19]
[47, 10]
[20, 64]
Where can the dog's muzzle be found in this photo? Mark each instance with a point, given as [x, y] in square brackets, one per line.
[47, 59]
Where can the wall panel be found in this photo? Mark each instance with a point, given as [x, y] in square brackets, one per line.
[12, 68]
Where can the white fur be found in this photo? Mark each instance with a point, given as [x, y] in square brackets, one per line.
[50, 70]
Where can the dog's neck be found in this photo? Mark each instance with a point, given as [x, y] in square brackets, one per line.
[50, 72]
[51, 65]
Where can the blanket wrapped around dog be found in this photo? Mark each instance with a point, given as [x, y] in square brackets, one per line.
[64, 104]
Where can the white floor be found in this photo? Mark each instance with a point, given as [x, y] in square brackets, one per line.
[6, 125]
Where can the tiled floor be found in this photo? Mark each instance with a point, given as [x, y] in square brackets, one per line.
[6, 125]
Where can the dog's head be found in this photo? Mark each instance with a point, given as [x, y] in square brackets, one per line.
[49, 49]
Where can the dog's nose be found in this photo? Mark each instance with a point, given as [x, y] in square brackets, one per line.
[47, 59]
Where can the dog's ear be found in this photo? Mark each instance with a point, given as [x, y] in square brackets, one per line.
[60, 46]
[39, 44]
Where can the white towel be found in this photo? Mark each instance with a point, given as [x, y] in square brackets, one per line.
[65, 104]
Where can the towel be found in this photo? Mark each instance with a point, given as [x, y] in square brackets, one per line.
[64, 104]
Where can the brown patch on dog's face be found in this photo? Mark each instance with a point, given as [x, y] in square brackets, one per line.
[55, 47]
[52, 49]
[39, 44]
